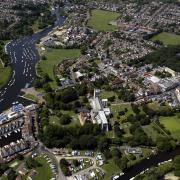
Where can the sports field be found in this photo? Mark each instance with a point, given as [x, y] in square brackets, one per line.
[100, 19]
[168, 38]
[54, 57]
[172, 124]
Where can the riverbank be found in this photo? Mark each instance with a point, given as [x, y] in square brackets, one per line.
[5, 73]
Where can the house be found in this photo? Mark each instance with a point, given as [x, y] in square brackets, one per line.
[172, 72]
[33, 173]
[134, 150]
[84, 116]
[8, 172]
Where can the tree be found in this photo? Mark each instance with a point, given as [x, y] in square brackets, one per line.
[12, 175]
[122, 163]
[44, 57]
[3, 168]
[116, 153]
[177, 166]
[46, 78]
[83, 49]
[38, 83]
[111, 99]
[103, 144]
[163, 144]
[76, 162]
[47, 88]
[87, 142]
[135, 109]
[31, 163]
[20, 157]
[117, 130]
[64, 167]
[65, 119]
[69, 94]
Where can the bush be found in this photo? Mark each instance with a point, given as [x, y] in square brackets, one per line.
[65, 119]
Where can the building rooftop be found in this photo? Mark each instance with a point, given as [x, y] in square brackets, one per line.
[102, 116]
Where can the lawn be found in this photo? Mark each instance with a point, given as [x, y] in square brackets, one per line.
[126, 127]
[74, 122]
[152, 131]
[100, 19]
[111, 169]
[32, 97]
[167, 38]
[157, 107]
[107, 94]
[35, 26]
[172, 124]
[54, 57]
[3, 177]
[4, 74]
[54, 120]
[14, 164]
[44, 171]
[115, 108]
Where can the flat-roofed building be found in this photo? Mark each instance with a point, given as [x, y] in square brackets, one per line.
[100, 111]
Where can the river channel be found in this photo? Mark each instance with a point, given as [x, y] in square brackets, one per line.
[24, 56]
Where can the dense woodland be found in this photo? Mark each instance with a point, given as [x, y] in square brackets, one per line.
[40, 15]
[165, 56]
[3, 56]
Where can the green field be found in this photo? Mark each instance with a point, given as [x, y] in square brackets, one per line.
[115, 108]
[44, 171]
[32, 97]
[167, 38]
[107, 94]
[172, 124]
[100, 19]
[111, 169]
[157, 107]
[153, 131]
[74, 122]
[4, 74]
[54, 57]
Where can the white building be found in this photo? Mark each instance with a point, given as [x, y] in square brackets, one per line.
[100, 111]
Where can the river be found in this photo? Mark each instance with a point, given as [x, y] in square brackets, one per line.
[24, 56]
[147, 163]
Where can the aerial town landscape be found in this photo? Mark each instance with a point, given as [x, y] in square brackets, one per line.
[89, 89]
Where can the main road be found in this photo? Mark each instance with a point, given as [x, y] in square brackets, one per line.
[24, 56]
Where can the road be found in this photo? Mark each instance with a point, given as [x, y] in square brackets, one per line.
[43, 149]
